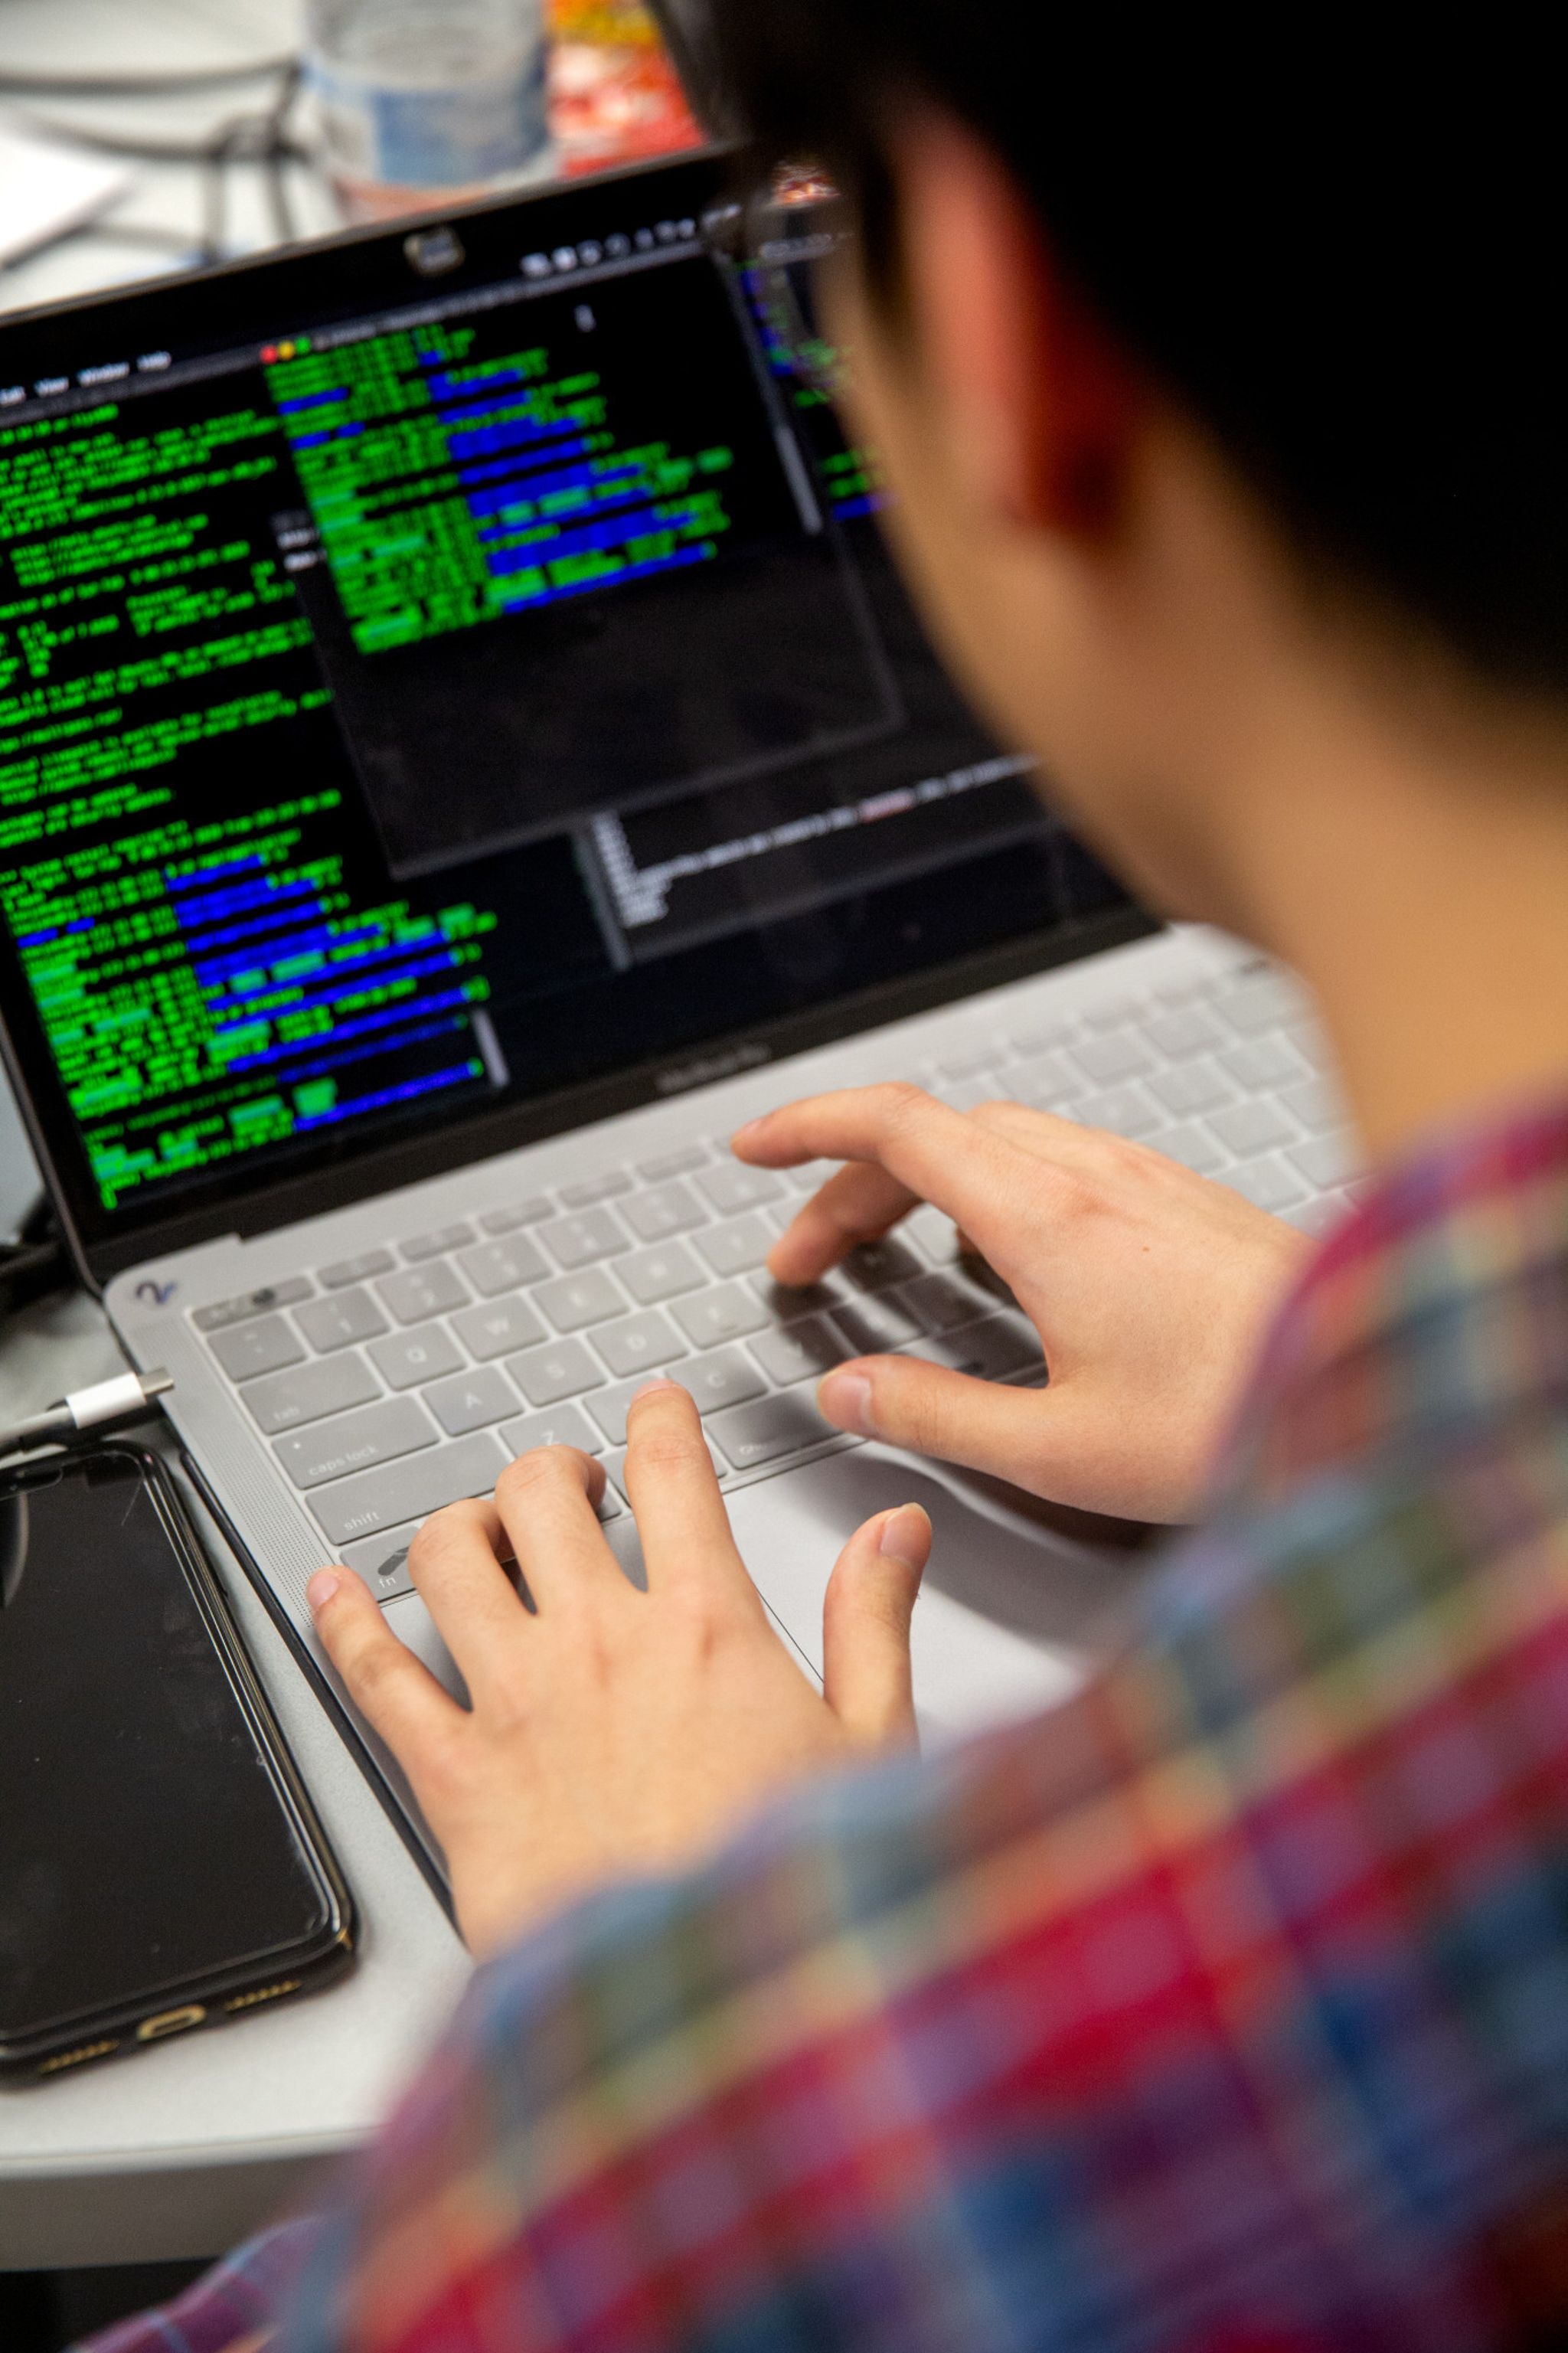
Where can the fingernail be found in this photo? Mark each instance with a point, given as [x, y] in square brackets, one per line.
[751, 1127]
[322, 1587]
[651, 1388]
[906, 1537]
[846, 1399]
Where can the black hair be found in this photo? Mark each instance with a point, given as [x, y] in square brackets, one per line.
[1336, 237]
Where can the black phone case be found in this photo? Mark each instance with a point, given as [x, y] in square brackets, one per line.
[223, 1993]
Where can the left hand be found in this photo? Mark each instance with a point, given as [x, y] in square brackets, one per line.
[614, 1731]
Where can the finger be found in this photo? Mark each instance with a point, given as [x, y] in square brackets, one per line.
[858, 1204]
[866, 1626]
[455, 1564]
[979, 1178]
[983, 1425]
[547, 1502]
[397, 1694]
[680, 1515]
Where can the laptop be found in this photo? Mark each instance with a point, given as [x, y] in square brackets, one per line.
[464, 748]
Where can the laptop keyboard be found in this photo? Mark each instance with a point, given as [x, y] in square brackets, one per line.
[406, 1377]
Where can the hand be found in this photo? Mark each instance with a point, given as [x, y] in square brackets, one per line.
[1150, 1288]
[614, 1731]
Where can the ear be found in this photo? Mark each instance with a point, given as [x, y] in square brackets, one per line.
[1040, 408]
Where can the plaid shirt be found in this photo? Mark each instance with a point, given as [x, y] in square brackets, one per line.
[1225, 2007]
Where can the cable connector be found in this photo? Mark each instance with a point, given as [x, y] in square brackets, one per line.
[128, 1398]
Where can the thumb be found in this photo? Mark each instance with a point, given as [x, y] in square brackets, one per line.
[866, 1626]
[983, 1425]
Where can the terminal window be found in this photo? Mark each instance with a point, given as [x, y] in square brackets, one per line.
[217, 962]
[567, 550]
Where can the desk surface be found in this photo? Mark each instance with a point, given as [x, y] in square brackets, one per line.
[178, 2150]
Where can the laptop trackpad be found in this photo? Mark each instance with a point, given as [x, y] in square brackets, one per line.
[1017, 1603]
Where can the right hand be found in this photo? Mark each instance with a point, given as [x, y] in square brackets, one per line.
[1149, 1287]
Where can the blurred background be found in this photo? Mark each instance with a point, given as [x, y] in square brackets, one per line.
[139, 137]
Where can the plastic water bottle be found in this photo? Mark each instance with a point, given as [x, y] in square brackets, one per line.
[418, 99]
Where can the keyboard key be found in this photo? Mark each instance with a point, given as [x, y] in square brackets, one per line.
[1326, 1160]
[532, 1212]
[639, 1342]
[286, 1400]
[422, 1292]
[749, 1434]
[545, 1375]
[495, 1266]
[672, 1209]
[1194, 1086]
[1105, 1059]
[419, 1247]
[583, 1195]
[1317, 1105]
[355, 1270]
[500, 1325]
[255, 1348]
[1263, 1062]
[1263, 1001]
[672, 1164]
[655, 1274]
[726, 1312]
[471, 1401]
[944, 1302]
[1127, 1110]
[1251, 1127]
[564, 1425]
[224, 1312]
[1045, 1080]
[1042, 1036]
[990, 1351]
[733, 1186]
[802, 1351]
[723, 1379]
[872, 1324]
[785, 1302]
[383, 1562]
[876, 1266]
[966, 1095]
[736, 1248]
[409, 1489]
[1117, 1013]
[406, 1361]
[338, 1321]
[1193, 1147]
[971, 1062]
[578, 1241]
[574, 1301]
[1270, 1184]
[1179, 1034]
[936, 1235]
[353, 1441]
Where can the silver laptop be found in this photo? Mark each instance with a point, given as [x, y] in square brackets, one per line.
[463, 749]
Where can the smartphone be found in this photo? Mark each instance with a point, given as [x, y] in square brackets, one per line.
[160, 1868]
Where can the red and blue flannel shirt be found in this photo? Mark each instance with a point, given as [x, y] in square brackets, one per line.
[1223, 2009]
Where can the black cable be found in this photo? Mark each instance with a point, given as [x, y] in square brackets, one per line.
[147, 151]
[170, 85]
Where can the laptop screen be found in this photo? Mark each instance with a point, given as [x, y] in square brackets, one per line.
[455, 672]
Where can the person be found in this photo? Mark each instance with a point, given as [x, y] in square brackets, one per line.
[1225, 2005]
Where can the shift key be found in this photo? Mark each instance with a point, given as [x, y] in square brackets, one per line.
[411, 1489]
[353, 1441]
